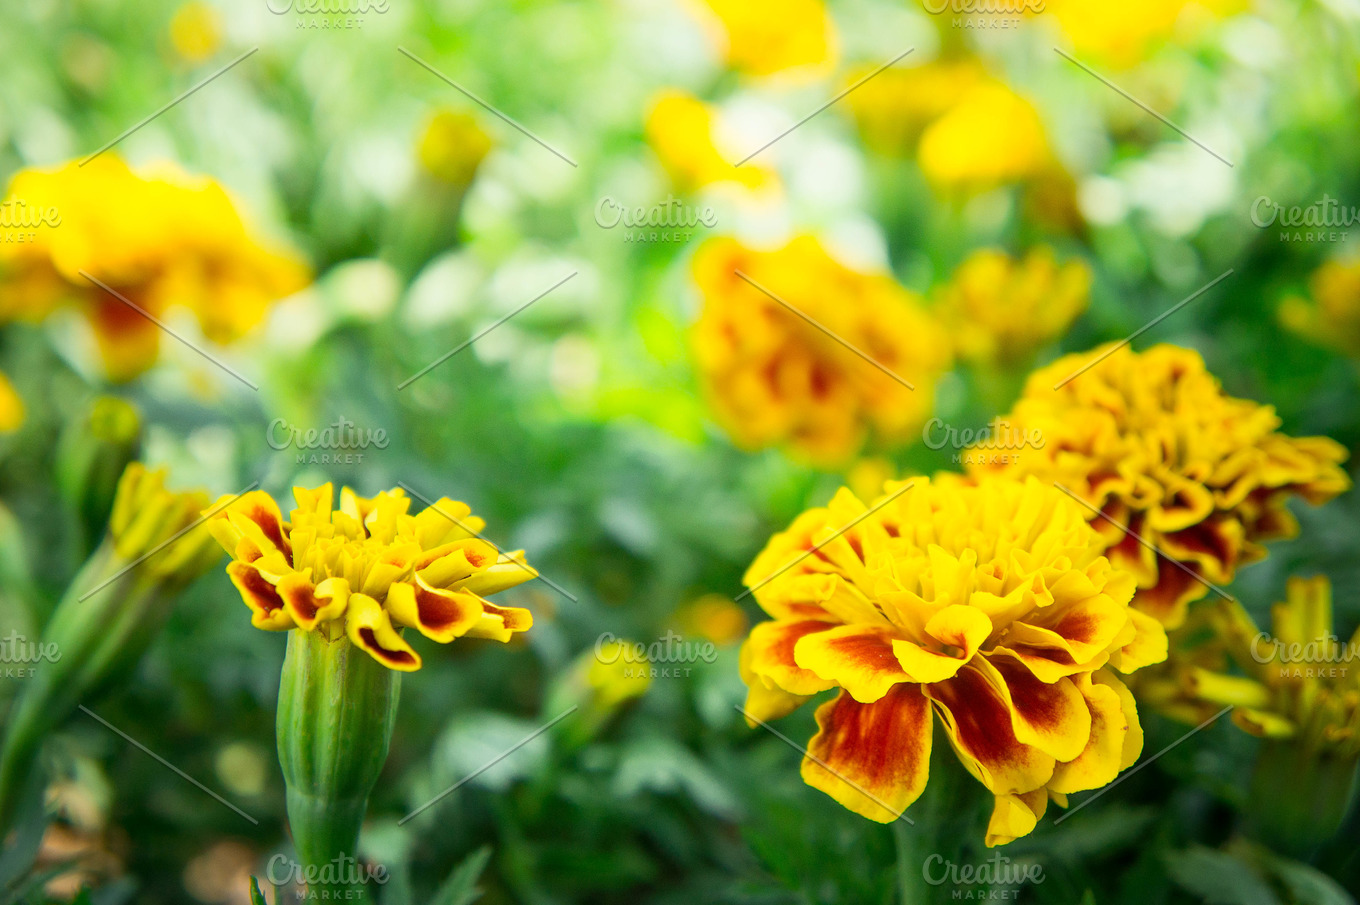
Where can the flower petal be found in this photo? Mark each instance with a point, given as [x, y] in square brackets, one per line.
[769, 654]
[872, 758]
[266, 606]
[978, 724]
[368, 626]
[858, 658]
[1103, 757]
[308, 604]
[438, 614]
[500, 623]
[1051, 717]
[1015, 815]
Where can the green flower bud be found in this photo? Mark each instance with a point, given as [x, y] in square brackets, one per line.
[92, 454]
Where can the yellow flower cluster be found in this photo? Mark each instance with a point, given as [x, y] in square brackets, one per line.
[680, 129]
[1333, 317]
[368, 569]
[763, 37]
[1000, 311]
[1153, 443]
[779, 369]
[972, 132]
[987, 605]
[452, 147]
[161, 240]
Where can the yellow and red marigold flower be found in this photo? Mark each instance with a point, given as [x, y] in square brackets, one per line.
[987, 605]
[369, 569]
[763, 37]
[1152, 442]
[775, 378]
[162, 240]
[682, 131]
[1001, 310]
[1332, 319]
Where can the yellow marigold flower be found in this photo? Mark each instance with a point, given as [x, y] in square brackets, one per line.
[762, 37]
[990, 137]
[988, 605]
[1333, 317]
[12, 410]
[774, 377]
[162, 240]
[196, 31]
[1000, 310]
[452, 147]
[681, 130]
[1153, 442]
[1109, 33]
[369, 569]
[893, 107]
[714, 617]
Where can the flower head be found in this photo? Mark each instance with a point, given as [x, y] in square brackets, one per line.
[991, 136]
[1152, 442]
[774, 376]
[159, 241]
[369, 569]
[1103, 31]
[1333, 317]
[892, 108]
[682, 130]
[763, 37]
[452, 147]
[987, 605]
[1000, 310]
[196, 31]
[159, 528]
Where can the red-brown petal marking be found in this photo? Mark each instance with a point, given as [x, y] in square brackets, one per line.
[397, 659]
[515, 619]
[1051, 717]
[270, 522]
[771, 646]
[978, 724]
[872, 758]
[267, 607]
[858, 658]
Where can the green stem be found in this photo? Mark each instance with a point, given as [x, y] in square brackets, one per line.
[337, 709]
[906, 875]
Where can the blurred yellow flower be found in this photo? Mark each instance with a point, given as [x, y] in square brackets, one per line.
[11, 407]
[892, 108]
[1153, 442]
[196, 31]
[369, 569]
[1001, 311]
[613, 675]
[988, 605]
[452, 146]
[148, 517]
[762, 37]
[1124, 36]
[1333, 317]
[989, 137]
[680, 129]
[774, 377]
[160, 241]
[714, 617]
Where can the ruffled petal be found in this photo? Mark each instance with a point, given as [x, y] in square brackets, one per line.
[872, 758]
[1015, 815]
[1100, 761]
[501, 623]
[438, 614]
[769, 654]
[978, 723]
[368, 626]
[1051, 717]
[309, 605]
[858, 658]
[267, 609]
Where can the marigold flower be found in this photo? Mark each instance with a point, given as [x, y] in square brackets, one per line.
[452, 147]
[991, 136]
[369, 569]
[893, 107]
[1000, 310]
[715, 617]
[682, 131]
[1333, 317]
[1152, 442]
[196, 31]
[774, 377]
[161, 240]
[1297, 688]
[763, 37]
[12, 411]
[988, 605]
[1122, 40]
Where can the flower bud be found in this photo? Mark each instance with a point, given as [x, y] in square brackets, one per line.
[92, 454]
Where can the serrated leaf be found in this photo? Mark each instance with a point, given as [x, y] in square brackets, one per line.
[460, 888]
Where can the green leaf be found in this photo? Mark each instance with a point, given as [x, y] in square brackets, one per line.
[460, 888]
[1219, 878]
